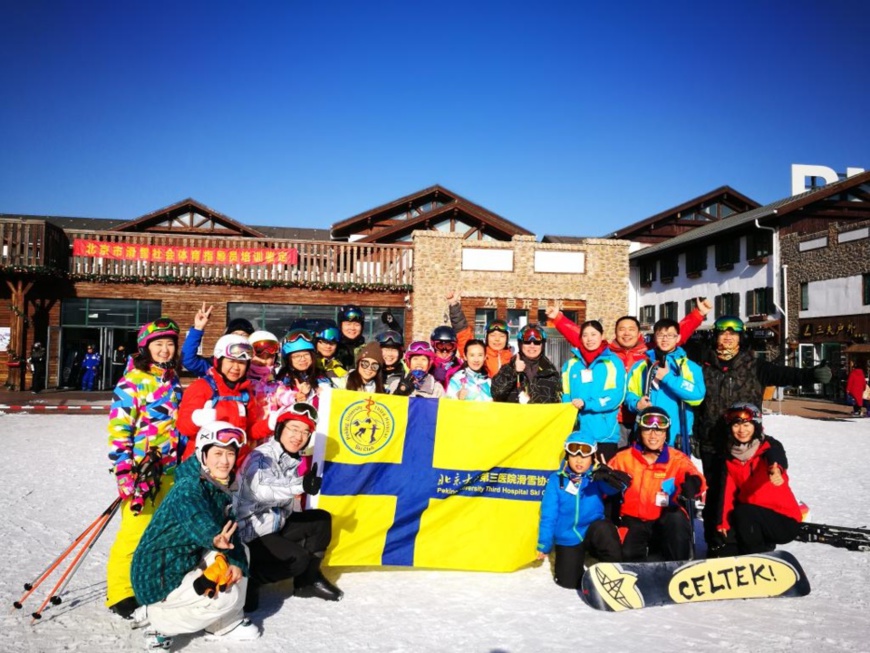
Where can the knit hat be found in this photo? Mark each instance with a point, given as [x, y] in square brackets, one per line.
[373, 351]
[239, 324]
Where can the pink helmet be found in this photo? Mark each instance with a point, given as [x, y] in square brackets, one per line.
[420, 348]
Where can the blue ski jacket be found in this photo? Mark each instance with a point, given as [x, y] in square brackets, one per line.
[601, 386]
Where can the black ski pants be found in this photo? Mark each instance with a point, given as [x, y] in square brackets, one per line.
[289, 552]
[601, 542]
[714, 474]
[670, 535]
[758, 529]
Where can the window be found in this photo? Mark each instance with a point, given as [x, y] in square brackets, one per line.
[759, 301]
[543, 319]
[690, 306]
[865, 288]
[759, 244]
[727, 253]
[727, 304]
[482, 317]
[670, 268]
[648, 315]
[517, 318]
[108, 312]
[668, 310]
[696, 261]
[647, 273]
[805, 296]
[277, 318]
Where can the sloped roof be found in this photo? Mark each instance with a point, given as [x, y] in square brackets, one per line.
[294, 233]
[415, 210]
[565, 240]
[156, 219]
[777, 209]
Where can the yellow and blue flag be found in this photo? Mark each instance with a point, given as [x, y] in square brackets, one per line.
[440, 484]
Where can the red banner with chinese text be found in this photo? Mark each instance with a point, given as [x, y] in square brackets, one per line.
[182, 254]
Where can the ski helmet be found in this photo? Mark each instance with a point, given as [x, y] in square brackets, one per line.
[329, 335]
[351, 313]
[532, 334]
[218, 433]
[442, 333]
[296, 340]
[745, 412]
[420, 348]
[162, 327]
[497, 325]
[390, 338]
[264, 342]
[236, 348]
[300, 412]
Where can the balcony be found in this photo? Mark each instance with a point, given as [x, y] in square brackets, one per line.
[107, 255]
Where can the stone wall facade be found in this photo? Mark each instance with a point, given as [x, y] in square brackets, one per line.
[600, 292]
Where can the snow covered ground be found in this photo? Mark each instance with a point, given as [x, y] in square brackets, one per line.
[55, 481]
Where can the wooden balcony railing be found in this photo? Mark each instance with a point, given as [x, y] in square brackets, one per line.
[32, 243]
[313, 262]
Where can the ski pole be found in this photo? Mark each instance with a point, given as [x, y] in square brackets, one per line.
[32, 586]
[101, 523]
[55, 598]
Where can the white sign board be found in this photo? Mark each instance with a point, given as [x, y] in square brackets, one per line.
[490, 260]
[564, 262]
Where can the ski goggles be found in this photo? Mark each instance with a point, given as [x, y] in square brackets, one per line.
[532, 336]
[329, 335]
[739, 415]
[444, 346]
[162, 327]
[226, 437]
[654, 421]
[583, 449]
[369, 365]
[390, 338]
[497, 325]
[301, 408]
[266, 348]
[734, 324]
[351, 315]
[239, 351]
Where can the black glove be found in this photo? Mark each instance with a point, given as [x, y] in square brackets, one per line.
[613, 477]
[311, 482]
[822, 373]
[389, 319]
[691, 486]
[406, 386]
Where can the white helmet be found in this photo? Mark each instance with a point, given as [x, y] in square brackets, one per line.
[222, 434]
[234, 347]
[264, 336]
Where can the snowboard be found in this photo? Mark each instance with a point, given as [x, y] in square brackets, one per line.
[616, 586]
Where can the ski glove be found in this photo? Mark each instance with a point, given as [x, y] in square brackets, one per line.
[406, 386]
[214, 579]
[204, 416]
[613, 477]
[311, 482]
[691, 486]
[822, 373]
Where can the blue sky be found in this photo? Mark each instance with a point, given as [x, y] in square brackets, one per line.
[566, 117]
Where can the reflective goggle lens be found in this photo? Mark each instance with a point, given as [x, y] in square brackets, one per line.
[240, 351]
[351, 315]
[267, 348]
[304, 409]
[739, 415]
[728, 323]
[655, 421]
[445, 346]
[329, 335]
[497, 325]
[165, 323]
[298, 334]
[231, 436]
[580, 449]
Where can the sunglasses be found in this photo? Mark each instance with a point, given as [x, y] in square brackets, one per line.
[240, 351]
[268, 348]
[739, 415]
[498, 325]
[230, 436]
[445, 346]
[531, 340]
[728, 324]
[300, 408]
[580, 449]
[366, 365]
[654, 421]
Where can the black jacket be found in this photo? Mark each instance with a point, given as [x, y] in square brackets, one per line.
[544, 388]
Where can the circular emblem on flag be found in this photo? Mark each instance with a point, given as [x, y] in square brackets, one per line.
[366, 427]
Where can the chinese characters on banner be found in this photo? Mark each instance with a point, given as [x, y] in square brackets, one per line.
[182, 254]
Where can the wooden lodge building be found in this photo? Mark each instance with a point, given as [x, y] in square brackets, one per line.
[69, 282]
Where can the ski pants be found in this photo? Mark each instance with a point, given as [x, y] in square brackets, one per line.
[118, 584]
[185, 611]
[601, 541]
[757, 528]
[289, 552]
[89, 378]
[670, 535]
[714, 473]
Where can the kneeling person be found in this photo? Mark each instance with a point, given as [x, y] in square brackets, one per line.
[651, 512]
[189, 570]
[572, 512]
[284, 542]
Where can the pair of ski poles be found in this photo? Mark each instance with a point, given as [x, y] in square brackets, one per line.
[87, 539]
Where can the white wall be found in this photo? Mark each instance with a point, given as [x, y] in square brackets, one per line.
[841, 296]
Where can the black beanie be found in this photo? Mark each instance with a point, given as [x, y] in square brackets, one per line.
[239, 324]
